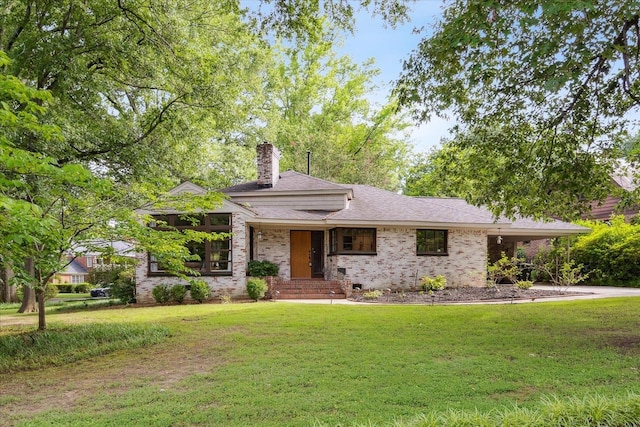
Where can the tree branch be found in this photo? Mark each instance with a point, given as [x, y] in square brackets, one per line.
[19, 28]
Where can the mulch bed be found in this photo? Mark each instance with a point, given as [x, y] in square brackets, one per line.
[503, 293]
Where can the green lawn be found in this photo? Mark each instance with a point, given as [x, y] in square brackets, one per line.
[297, 364]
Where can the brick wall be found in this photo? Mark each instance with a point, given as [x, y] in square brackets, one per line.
[275, 247]
[234, 285]
[268, 159]
[396, 263]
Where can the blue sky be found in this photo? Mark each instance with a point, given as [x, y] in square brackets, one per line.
[389, 47]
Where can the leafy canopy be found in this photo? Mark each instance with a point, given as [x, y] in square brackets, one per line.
[548, 87]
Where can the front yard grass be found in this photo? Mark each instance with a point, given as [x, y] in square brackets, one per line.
[297, 364]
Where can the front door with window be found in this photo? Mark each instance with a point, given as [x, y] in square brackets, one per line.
[306, 254]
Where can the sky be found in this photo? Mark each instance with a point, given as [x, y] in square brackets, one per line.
[390, 47]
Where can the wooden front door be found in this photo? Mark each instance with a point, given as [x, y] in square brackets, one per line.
[306, 254]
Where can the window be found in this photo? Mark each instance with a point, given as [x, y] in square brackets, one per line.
[431, 242]
[89, 262]
[352, 240]
[214, 256]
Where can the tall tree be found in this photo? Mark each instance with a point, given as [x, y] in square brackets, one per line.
[318, 104]
[137, 85]
[546, 86]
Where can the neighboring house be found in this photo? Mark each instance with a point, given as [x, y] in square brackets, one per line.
[622, 181]
[329, 237]
[76, 272]
[80, 266]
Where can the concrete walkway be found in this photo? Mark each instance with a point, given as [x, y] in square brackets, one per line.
[589, 292]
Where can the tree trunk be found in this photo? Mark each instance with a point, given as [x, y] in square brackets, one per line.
[28, 294]
[9, 292]
[28, 300]
[42, 324]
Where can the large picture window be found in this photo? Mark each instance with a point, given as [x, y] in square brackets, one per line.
[431, 242]
[214, 256]
[352, 240]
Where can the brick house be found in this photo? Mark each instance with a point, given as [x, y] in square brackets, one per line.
[83, 261]
[328, 238]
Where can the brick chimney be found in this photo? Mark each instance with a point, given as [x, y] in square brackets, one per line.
[268, 165]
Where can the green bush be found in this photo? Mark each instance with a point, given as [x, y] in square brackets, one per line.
[199, 290]
[65, 288]
[161, 293]
[256, 288]
[124, 287]
[82, 288]
[610, 253]
[262, 269]
[374, 294]
[105, 275]
[178, 292]
[51, 291]
[504, 268]
[524, 284]
[437, 283]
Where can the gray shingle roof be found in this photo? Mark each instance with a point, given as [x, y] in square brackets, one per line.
[370, 204]
[288, 181]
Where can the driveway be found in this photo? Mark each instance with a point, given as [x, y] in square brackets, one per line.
[595, 291]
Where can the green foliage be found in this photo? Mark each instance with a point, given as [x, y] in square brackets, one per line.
[437, 283]
[611, 252]
[256, 288]
[123, 287]
[592, 410]
[524, 284]
[105, 275]
[199, 290]
[317, 101]
[65, 288]
[554, 263]
[161, 293]
[439, 173]
[570, 349]
[541, 94]
[372, 294]
[82, 288]
[50, 291]
[61, 345]
[262, 268]
[178, 292]
[504, 268]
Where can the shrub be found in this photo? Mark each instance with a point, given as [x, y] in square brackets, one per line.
[178, 292]
[611, 252]
[562, 273]
[262, 269]
[374, 294]
[124, 287]
[256, 288]
[199, 290]
[524, 284]
[437, 283]
[161, 293]
[50, 291]
[225, 299]
[504, 268]
[82, 288]
[65, 288]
